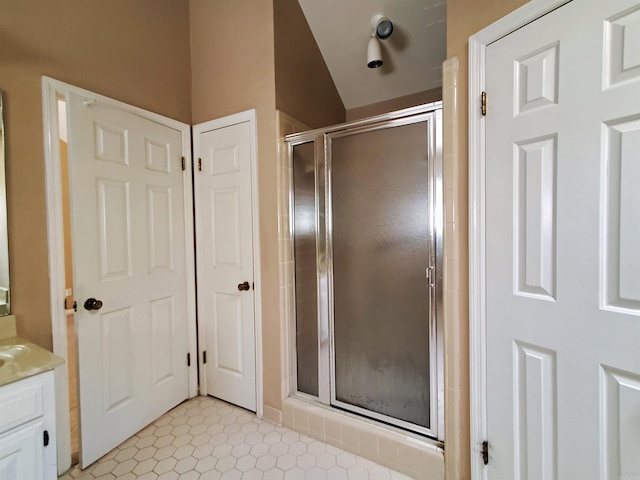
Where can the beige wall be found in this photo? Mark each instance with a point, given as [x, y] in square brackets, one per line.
[426, 96]
[137, 52]
[464, 18]
[304, 87]
[232, 48]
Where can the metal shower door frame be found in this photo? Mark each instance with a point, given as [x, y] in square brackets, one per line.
[322, 138]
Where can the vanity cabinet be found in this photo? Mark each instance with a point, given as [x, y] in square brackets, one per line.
[27, 429]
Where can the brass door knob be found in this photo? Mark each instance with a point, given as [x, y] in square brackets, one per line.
[243, 286]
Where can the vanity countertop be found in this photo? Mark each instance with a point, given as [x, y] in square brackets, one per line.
[20, 358]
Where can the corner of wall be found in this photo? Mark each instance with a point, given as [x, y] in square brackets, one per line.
[386, 106]
[301, 69]
[457, 452]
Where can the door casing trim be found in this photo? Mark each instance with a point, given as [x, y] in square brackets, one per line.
[234, 119]
[51, 90]
[477, 210]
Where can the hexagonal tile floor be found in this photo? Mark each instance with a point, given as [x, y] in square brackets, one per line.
[205, 438]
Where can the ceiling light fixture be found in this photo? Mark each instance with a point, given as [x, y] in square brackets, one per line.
[374, 54]
[382, 29]
[382, 26]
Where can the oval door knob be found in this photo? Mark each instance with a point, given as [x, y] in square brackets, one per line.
[243, 286]
[92, 304]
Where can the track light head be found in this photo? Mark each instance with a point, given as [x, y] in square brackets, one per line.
[374, 54]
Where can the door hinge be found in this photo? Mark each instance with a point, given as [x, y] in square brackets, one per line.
[483, 103]
[204, 357]
[45, 438]
[184, 167]
[485, 452]
[188, 359]
[199, 164]
[75, 306]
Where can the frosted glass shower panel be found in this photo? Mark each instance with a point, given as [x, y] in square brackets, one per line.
[304, 245]
[381, 244]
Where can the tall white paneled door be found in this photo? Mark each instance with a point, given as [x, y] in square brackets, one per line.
[562, 246]
[131, 221]
[226, 239]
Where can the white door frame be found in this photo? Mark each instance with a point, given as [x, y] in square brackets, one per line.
[51, 90]
[477, 234]
[241, 117]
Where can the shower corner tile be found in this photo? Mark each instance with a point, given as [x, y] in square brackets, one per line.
[432, 466]
[368, 445]
[301, 421]
[452, 238]
[272, 415]
[452, 305]
[317, 426]
[409, 458]
[452, 267]
[332, 432]
[287, 415]
[349, 437]
[388, 452]
[410, 472]
[334, 443]
[450, 209]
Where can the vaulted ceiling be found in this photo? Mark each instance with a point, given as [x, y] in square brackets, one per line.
[412, 56]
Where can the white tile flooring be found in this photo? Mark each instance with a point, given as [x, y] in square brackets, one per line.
[205, 438]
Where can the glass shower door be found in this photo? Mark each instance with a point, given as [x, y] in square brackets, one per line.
[382, 251]
[304, 253]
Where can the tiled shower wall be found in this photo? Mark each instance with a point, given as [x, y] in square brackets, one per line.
[397, 449]
[456, 309]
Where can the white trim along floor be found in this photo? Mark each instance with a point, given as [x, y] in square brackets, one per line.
[205, 438]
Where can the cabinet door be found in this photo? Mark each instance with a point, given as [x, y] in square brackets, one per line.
[21, 453]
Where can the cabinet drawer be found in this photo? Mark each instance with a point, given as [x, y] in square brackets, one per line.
[20, 402]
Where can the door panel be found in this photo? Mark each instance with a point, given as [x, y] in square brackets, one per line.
[562, 228]
[228, 328]
[225, 209]
[161, 232]
[117, 350]
[224, 228]
[128, 228]
[113, 229]
[622, 197]
[162, 318]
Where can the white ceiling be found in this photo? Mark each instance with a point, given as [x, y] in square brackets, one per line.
[412, 56]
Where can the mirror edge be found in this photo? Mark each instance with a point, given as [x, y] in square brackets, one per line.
[5, 282]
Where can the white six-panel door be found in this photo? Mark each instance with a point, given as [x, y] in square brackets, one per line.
[563, 245]
[129, 252]
[224, 252]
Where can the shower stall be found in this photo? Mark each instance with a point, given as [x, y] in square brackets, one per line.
[365, 214]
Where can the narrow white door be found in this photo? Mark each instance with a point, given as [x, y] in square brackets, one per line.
[224, 252]
[129, 253]
[562, 245]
